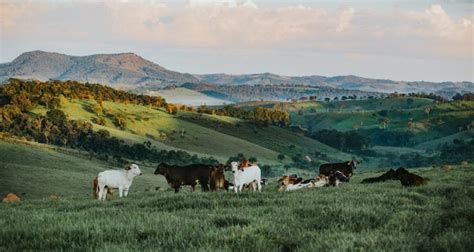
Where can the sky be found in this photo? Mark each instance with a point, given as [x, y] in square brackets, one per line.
[410, 40]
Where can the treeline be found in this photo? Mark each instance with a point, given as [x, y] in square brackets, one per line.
[26, 94]
[258, 115]
[464, 97]
[454, 153]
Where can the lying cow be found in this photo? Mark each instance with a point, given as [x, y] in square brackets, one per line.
[409, 179]
[116, 179]
[406, 178]
[185, 175]
[246, 176]
[346, 168]
[289, 179]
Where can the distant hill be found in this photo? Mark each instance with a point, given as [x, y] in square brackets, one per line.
[111, 69]
[349, 82]
[135, 72]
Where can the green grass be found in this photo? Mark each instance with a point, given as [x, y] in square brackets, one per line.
[37, 171]
[438, 216]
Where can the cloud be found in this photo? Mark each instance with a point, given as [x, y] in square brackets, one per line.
[242, 25]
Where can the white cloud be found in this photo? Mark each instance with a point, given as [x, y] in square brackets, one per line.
[242, 25]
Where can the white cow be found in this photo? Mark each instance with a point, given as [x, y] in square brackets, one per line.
[244, 176]
[117, 179]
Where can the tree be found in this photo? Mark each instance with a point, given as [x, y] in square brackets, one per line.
[97, 109]
[46, 98]
[281, 157]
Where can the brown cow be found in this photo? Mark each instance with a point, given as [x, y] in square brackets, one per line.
[406, 178]
[217, 178]
[185, 175]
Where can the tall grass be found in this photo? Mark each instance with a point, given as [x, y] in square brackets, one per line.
[438, 216]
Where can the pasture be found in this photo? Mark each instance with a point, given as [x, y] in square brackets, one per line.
[385, 216]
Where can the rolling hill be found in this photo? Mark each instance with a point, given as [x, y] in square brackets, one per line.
[349, 82]
[114, 69]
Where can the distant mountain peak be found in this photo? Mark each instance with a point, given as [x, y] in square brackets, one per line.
[117, 68]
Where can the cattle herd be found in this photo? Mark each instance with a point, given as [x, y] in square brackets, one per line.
[245, 175]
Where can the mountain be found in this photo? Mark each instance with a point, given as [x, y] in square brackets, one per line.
[112, 69]
[349, 82]
[140, 74]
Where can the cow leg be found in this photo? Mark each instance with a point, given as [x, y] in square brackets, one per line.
[176, 189]
[204, 187]
[120, 192]
[241, 187]
[236, 188]
[104, 193]
[193, 187]
[125, 192]
[259, 186]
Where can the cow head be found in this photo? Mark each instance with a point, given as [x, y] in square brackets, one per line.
[133, 169]
[234, 166]
[353, 163]
[161, 169]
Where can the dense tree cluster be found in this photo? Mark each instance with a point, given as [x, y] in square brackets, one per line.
[258, 115]
[464, 97]
[25, 94]
[344, 141]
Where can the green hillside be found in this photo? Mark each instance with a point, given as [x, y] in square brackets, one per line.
[38, 170]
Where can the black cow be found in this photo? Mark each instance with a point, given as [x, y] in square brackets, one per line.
[346, 168]
[185, 175]
[406, 178]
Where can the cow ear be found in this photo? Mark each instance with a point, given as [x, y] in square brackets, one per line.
[128, 167]
[349, 163]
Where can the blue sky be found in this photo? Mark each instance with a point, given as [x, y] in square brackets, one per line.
[400, 40]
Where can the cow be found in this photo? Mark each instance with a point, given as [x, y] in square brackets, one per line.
[409, 179]
[346, 168]
[389, 175]
[185, 175]
[217, 178]
[289, 179]
[95, 188]
[117, 179]
[246, 176]
[405, 177]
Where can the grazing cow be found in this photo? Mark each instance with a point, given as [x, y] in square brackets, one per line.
[217, 178]
[346, 168]
[95, 188]
[246, 176]
[117, 179]
[185, 175]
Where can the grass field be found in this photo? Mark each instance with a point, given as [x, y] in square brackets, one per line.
[438, 216]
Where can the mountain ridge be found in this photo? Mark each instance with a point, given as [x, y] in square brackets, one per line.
[130, 69]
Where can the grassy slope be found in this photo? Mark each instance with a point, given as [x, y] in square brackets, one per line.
[385, 216]
[145, 123]
[188, 97]
[443, 121]
[205, 135]
[35, 171]
[270, 137]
